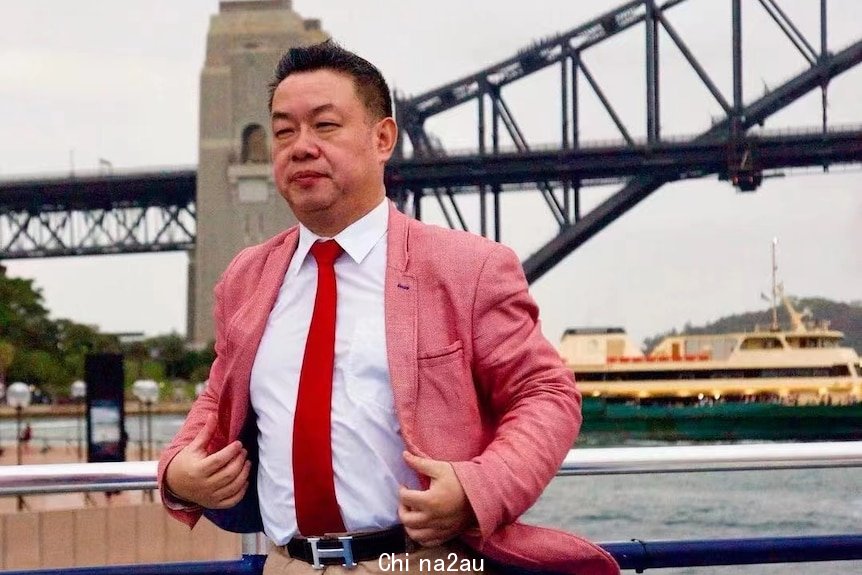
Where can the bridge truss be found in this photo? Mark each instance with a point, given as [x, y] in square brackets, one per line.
[730, 148]
[98, 214]
[155, 211]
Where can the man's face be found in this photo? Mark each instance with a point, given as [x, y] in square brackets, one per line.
[328, 152]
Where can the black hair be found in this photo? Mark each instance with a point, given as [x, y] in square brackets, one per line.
[328, 55]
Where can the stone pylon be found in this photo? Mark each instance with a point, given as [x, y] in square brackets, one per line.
[237, 203]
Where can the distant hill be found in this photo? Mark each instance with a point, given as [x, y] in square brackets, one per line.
[845, 317]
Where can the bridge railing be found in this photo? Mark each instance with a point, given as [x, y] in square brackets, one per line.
[636, 554]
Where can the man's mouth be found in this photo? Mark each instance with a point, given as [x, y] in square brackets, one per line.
[306, 177]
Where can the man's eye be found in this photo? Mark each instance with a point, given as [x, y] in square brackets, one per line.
[326, 125]
[283, 132]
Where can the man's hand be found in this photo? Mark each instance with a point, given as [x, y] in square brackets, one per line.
[438, 514]
[213, 481]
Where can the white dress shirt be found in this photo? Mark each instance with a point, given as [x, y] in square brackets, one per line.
[366, 438]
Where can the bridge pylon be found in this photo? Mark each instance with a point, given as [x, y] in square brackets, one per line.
[237, 203]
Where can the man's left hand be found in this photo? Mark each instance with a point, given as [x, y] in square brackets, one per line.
[441, 512]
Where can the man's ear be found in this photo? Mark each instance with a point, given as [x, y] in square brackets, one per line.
[385, 136]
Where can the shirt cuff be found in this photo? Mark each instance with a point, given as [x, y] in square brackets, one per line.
[175, 503]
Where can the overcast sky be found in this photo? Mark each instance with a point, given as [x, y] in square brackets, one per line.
[85, 80]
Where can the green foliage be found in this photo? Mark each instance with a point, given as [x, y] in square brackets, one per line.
[153, 370]
[51, 353]
[44, 352]
[40, 367]
[844, 317]
[177, 360]
[201, 373]
[79, 339]
[7, 354]
[142, 369]
[23, 317]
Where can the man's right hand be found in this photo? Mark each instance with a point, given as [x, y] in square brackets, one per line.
[213, 481]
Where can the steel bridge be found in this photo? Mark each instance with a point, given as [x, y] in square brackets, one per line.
[154, 210]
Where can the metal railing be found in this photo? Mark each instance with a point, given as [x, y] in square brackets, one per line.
[636, 554]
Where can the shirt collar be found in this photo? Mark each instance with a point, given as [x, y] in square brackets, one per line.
[356, 240]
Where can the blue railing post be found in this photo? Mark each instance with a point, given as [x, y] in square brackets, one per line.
[641, 555]
[246, 565]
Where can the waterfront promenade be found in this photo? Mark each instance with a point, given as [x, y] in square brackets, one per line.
[38, 454]
[74, 529]
[61, 446]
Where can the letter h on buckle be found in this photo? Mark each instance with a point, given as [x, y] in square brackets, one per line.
[345, 552]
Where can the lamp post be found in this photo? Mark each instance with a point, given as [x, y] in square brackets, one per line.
[147, 392]
[18, 395]
[79, 393]
[2, 396]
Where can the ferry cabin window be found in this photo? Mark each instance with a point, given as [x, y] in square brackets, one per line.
[715, 348]
[811, 342]
[758, 343]
[840, 370]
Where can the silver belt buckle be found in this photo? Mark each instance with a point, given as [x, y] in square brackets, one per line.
[346, 552]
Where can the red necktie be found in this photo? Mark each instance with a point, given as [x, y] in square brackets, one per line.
[317, 510]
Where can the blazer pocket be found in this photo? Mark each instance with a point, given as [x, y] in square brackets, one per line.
[441, 356]
[447, 408]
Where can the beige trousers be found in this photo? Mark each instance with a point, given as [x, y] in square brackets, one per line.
[451, 558]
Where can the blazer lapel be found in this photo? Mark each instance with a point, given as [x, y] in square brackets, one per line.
[253, 316]
[400, 295]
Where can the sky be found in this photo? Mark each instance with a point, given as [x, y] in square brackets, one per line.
[98, 80]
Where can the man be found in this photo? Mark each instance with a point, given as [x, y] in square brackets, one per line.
[375, 376]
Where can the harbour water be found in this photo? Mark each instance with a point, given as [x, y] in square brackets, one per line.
[64, 431]
[649, 506]
[710, 505]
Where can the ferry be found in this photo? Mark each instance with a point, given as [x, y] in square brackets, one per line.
[768, 384]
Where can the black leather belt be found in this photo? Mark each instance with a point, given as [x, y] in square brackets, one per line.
[348, 549]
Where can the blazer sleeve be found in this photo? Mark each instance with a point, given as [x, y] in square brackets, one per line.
[532, 397]
[205, 404]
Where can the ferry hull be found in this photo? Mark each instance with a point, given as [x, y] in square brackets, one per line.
[608, 423]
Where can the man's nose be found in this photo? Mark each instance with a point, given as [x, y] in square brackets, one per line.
[305, 145]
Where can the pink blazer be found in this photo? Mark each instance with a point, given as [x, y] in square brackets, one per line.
[474, 381]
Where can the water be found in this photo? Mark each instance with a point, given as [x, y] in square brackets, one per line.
[649, 507]
[710, 505]
[64, 430]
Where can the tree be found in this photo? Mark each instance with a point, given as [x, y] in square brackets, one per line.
[23, 317]
[7, 355]
[171, 350]
[76, 338]
[44, 352]
[44, 369]
[51, 353]
[136, 354]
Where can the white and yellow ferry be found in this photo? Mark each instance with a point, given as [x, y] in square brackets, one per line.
[770, 383]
